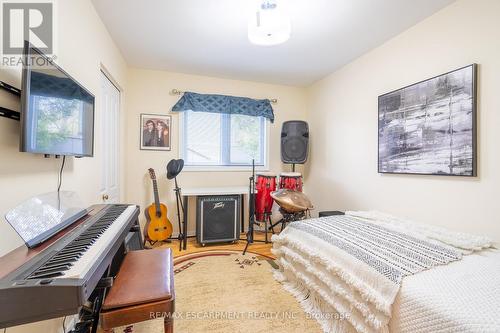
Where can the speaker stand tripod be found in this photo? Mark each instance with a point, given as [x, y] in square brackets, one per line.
[251, 218]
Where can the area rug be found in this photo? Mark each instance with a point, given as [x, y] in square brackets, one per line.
[223, 291]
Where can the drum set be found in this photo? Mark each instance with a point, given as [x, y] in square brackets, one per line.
[275, 203]
[283, 204]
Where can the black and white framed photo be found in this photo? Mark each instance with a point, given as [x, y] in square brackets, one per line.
[156, 132]
[429, 127]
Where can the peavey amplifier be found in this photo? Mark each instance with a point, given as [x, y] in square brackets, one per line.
[218, 218]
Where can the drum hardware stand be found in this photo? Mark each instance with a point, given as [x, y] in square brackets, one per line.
[267, 219]
[251, 218]
[272, 225]
[287, 218]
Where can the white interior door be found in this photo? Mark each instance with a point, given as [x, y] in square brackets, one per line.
[110, 120]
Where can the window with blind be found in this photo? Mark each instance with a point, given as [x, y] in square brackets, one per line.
[214, 139]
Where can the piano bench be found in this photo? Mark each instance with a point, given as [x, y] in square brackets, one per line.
[143, 290]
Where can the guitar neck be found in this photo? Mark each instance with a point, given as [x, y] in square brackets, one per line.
[157, 198]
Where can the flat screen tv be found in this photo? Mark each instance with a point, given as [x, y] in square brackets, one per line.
[57, 113]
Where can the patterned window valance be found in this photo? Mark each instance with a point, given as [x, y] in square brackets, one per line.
[225, 104]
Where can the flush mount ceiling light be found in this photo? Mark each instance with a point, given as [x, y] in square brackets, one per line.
[269, 23]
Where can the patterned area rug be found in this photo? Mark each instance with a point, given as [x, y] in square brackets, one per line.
[222, 291]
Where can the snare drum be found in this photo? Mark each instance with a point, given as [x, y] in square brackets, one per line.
[266, 183]
[291, 181]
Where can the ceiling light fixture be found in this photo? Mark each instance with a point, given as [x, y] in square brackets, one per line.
[269, 23]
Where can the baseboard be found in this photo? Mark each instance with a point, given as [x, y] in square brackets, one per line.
[190, 234]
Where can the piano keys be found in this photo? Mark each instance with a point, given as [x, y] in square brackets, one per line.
[58, 277]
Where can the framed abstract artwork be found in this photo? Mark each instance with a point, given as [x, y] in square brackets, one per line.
[156, 132]
[429, 127]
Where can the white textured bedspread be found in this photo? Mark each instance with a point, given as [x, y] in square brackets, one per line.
[463, 296]
[355, 275]
[332, 286]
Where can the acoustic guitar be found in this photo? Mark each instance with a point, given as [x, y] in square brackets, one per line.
[158, 227]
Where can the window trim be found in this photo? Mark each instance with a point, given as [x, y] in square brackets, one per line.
[216, 168]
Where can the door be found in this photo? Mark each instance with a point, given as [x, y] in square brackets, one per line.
[110, 120]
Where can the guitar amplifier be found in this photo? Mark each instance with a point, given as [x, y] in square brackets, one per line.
[218, 218]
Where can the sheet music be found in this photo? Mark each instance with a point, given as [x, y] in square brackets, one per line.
[40, 217]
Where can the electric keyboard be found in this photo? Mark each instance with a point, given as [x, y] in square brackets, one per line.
[58, 277]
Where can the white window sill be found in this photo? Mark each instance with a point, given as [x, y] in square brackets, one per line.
[204, 168]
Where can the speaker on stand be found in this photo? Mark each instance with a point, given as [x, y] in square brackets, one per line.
[294, 142]
[294, 150]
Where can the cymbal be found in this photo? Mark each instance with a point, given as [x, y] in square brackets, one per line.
[292, 201]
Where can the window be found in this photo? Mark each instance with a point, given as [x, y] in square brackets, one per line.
[214, 139]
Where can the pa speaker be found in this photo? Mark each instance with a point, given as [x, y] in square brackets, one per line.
[294, 141]
[218, 219]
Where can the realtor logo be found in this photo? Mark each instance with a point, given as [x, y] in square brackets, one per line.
[32, 21]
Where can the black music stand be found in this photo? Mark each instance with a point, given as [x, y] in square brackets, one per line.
[251, 217]
[174, 167]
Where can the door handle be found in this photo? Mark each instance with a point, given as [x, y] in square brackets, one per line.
[105, 197]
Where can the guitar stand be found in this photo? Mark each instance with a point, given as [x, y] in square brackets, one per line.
[251, 219]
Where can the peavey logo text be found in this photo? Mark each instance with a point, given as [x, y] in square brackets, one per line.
[219, 205]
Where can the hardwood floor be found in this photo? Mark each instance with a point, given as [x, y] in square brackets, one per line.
[193, 246]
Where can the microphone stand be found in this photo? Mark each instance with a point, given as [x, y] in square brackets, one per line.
[251, 216]
[180, 206]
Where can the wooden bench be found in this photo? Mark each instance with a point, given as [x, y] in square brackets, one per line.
[143, 290]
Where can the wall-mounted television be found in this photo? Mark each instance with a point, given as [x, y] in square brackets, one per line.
[57, 113]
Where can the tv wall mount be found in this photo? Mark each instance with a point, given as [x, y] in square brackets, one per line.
[7, 113]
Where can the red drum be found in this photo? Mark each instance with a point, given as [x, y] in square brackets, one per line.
[266, 183]
[291, 181]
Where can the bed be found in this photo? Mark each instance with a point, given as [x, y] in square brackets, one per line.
[463, 296]
[371, 272]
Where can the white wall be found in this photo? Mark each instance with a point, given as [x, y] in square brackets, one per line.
[149, 92]
[84, 44]
[343, 119]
